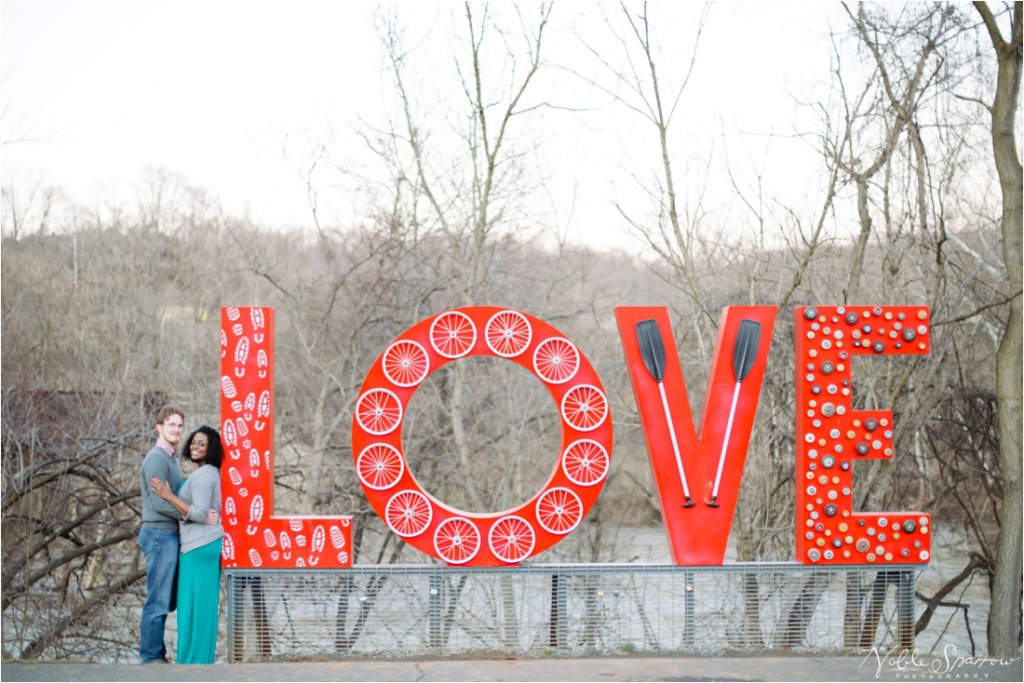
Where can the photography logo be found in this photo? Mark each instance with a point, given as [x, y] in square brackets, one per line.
[903, 664]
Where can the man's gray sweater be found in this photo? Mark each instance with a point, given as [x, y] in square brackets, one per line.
[157, 513]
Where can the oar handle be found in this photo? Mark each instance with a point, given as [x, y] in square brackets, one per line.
[725, 442]
[675, 443]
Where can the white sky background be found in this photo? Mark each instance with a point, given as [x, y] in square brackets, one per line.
[234, 96]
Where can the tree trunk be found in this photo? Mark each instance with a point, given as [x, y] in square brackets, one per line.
[1004, 622]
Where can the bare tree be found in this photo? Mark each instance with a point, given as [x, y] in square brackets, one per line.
[1004, 625]
[901, 92]
[654, 93]
[464, 201]
[106, 312]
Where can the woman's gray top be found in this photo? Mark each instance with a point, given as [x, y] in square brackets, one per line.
[202, 492]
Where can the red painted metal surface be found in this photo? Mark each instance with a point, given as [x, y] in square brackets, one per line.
[437, 529]
[831, 437]
[697, 535]
[255, 536]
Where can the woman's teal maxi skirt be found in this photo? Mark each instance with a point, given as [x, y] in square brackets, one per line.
[198, 604]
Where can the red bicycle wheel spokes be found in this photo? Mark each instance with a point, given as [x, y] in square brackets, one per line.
[508, 333]
[511, 539]
[408, 513]
[556, 360]
[585, 462]
[457, 540]
[452, 334]
[584, 407]
[559, 510]
[379, 411]
[380, 466]
[405, 363]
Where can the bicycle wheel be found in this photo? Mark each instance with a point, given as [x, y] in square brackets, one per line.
[452, 334]
[380, 466]
[556, 360]
[559, 510]
[379, 411]
[408, 513]
[508, 333]
[585, 462]
[584, 407]
[456, 540]
[511, 539]
[405, 363]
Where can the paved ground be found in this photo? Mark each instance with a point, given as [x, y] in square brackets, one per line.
[796, 668]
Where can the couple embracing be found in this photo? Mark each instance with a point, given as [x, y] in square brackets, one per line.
[181, 518]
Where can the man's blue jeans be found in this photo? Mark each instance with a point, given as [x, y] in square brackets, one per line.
[161, 549]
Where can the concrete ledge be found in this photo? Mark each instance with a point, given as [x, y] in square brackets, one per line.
[794, 668]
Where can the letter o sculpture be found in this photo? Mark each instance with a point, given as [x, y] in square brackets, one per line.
[472, 539]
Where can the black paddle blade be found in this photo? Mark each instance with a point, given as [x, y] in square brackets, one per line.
[652, 348]
[744, 353]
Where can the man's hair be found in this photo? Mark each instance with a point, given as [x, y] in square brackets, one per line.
[167, 411]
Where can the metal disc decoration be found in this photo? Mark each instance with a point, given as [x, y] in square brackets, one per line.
[833, 435]
[579, 468]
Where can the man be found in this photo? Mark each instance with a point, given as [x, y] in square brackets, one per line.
[159, 535]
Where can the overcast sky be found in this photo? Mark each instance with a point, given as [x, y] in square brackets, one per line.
[233, 95]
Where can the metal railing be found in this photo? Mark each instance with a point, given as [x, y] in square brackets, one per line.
[566, 609]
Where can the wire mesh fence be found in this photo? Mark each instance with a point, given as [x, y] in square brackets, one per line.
[569, 609]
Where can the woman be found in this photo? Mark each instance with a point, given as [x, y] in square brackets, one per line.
[200, 530]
